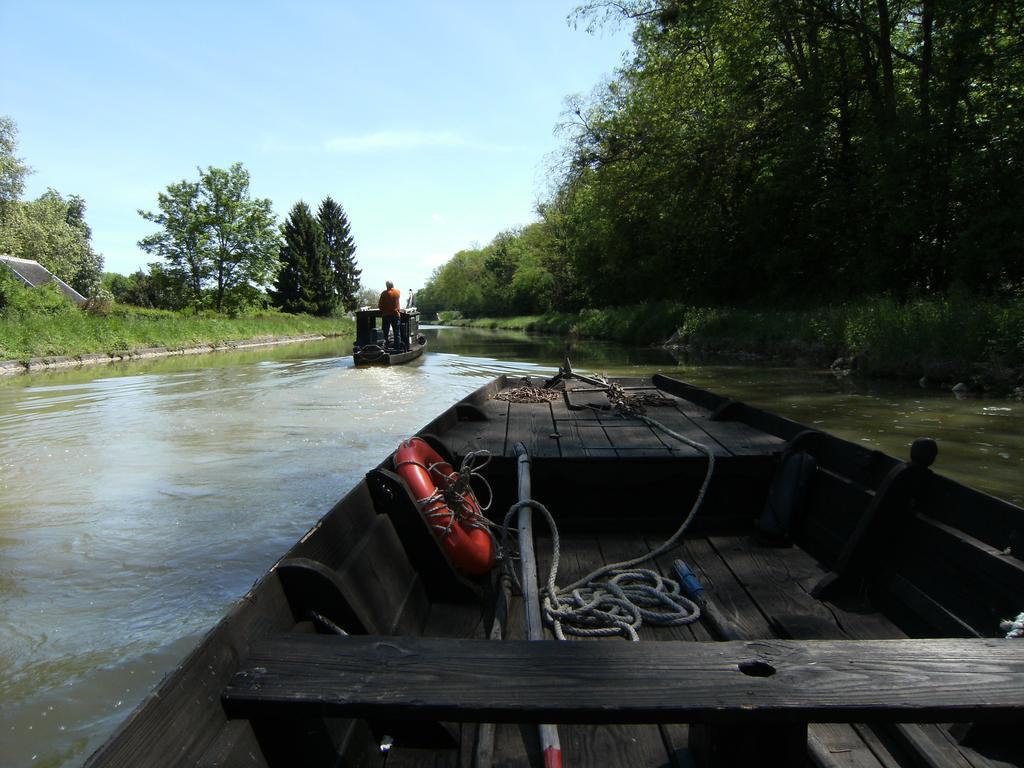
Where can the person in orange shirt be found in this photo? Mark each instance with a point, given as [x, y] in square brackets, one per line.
[389, 305]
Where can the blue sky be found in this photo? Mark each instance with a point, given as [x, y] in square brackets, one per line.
[429, 122]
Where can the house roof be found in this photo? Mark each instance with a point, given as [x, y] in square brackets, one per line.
[32, 273]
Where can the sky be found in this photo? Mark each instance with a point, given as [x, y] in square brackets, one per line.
[431, 123]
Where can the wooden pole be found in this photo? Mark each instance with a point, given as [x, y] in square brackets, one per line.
[483, 757]
[549, 743]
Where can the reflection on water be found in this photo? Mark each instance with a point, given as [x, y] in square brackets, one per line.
[140, 500]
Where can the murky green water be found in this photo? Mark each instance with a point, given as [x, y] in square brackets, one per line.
[137, 502]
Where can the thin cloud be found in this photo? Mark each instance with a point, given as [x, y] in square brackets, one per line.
[384, 140]
[437, 218]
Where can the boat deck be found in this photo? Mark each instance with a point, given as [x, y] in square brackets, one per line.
[764, 593]
[576, 426]
[881, 620]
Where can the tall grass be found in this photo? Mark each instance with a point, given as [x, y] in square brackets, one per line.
[40, 323]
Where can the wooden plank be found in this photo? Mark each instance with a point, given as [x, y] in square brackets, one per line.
[782, 681]
[235, 745]
[378, 580]
[972, 580]
[674, 419]
[532, 425]
[639, 440]
[830, 745]
[978, 514]
[594, 439]
[768, 578]
[739, 439]
[605, 744]
[332, 538]
[780, 580]
[838, 745]
[833, 507]
[562, 412]
[488, 434]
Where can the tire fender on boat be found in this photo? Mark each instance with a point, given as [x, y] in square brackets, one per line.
[461, 532]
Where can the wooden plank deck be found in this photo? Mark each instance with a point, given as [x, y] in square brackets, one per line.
[761, 681]
[577, 426]
[764, 592]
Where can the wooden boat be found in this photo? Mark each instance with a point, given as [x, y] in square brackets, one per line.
[851, 608]
[372, 348]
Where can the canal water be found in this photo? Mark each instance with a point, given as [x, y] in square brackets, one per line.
[139, 501]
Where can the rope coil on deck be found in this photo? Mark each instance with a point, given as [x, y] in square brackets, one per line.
[628, 596]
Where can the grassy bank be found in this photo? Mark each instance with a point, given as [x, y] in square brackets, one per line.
[25, 335]
[946, 340]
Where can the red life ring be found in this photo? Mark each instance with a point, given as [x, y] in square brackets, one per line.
[463, 537]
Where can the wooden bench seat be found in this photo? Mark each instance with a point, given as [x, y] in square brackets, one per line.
[763, 681]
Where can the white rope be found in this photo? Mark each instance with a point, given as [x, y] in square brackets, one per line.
[629, 596]
[1014, 628]
[453, 499]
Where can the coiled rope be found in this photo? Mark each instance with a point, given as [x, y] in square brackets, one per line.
[628, 596]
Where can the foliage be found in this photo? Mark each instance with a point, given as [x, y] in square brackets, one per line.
[788, 152]
[12, 170]
[18, 300]
[782, 155]
[220, 243]
[52, 231]
[511, 275]
[341, 248]
[305, 281]
[155, 288]
[366, 297]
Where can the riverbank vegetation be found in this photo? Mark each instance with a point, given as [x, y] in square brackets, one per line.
[945, 341]
[41, 322]
[847, 175]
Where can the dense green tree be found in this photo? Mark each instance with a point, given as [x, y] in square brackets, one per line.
[12, 170]
[153, 289]
[217, 239]
[342, 250]
[304, 282]
[183, 241]
[52, 231]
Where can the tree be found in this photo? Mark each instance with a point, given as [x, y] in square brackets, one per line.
[52, 231]
[243, 235]
[184, 239]
[12, 170]
[305, 281]
[215, 237]
[342, 249]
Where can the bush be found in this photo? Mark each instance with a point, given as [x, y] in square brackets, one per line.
[17, 299]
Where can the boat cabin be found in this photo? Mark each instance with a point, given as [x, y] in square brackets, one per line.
[371, 346]
[369, 328]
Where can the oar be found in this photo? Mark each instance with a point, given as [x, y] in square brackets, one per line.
[549, 743]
